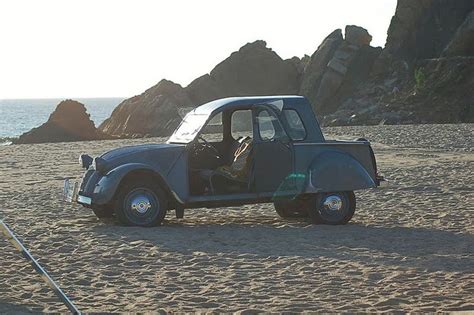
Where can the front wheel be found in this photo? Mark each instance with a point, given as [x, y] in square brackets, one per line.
[103, 212]
[333, 208]
[141, 203]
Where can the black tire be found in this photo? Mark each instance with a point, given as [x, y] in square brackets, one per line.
[321, 213]
[103, 212]
[288, 209]
[141, 203]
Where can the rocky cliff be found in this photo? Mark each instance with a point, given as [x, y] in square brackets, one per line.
[69, 122]
[425, 72]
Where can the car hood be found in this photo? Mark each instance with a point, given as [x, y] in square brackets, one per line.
[137, 149]
[157, 156]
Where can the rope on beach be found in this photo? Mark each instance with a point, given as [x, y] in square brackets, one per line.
[24, 252]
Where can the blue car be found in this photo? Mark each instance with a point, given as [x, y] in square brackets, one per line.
[228, 152]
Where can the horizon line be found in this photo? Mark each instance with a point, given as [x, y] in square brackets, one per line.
[57, 98]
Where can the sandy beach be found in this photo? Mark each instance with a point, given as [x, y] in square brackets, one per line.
[409, 247]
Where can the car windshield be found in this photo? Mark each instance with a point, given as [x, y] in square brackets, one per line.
[189, 127]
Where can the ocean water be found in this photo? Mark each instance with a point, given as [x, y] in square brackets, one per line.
[20, 115]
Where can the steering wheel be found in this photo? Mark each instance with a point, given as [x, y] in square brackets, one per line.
[209, 146]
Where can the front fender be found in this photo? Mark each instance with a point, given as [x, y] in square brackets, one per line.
[108, 184]
[337, 171]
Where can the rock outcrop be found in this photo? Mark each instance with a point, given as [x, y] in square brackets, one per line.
[422, 29]
[338, 67]
[443, 95]
[357, 35]
[252, 70]
[69, 122]
[317, 65]
[154, 112]
[424, 72]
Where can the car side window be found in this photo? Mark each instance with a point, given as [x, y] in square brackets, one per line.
[294, 124]
[213, 131]
[241, 124]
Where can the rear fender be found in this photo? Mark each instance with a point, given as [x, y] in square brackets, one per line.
[337, 171]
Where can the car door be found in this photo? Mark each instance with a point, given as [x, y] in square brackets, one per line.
[273, 152]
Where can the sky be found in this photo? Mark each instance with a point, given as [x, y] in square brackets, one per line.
[106, 48]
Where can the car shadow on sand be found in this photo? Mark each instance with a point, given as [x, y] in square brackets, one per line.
[421, 248]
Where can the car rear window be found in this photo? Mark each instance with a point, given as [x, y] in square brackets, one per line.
[294, 124]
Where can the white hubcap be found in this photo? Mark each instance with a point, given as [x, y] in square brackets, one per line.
[333, 203]
[141, 204]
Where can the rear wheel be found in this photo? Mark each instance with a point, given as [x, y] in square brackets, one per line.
[296, 208]
[141, 203]
[333, 208]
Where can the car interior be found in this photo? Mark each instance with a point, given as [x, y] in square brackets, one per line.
[221, 157]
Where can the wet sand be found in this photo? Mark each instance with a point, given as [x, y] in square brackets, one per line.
[409, 247]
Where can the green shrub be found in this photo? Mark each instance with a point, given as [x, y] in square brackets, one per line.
[420, 79]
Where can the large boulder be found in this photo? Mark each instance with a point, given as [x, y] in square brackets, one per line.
[69, 122]
[254, 69]
[338, 67]
[315, 69]
[341, 81]
[204, 89]
[357, 35]
[154, 112]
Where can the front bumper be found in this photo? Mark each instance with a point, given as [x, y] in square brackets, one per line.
[382, 182]
[71, 194]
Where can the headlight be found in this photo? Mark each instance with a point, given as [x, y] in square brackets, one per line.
[97, 189]
[85, 160]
